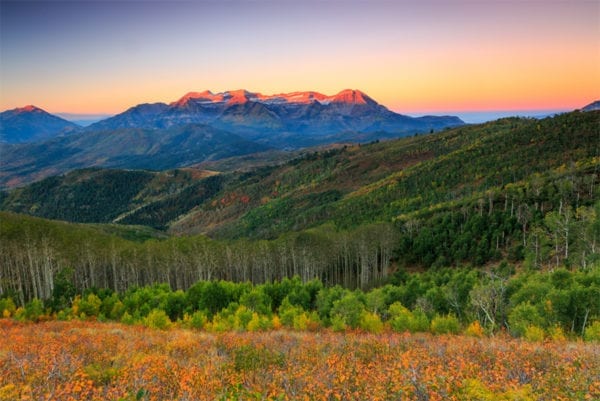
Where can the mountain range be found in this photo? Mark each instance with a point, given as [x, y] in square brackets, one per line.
[133, 148]
[200, 127]
[260, 117]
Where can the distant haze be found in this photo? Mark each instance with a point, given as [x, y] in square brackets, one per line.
[83, 119]
[470, 117]
[475, 117]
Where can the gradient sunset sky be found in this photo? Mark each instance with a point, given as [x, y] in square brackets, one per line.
[412, 56]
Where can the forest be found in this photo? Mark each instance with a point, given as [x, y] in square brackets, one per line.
[511, 201]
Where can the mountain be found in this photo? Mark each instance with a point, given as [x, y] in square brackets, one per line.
[134, 117]
[30, 124]
[133, 148]
[207, 126]
[521, 168]
[285, 120]
[592, 106]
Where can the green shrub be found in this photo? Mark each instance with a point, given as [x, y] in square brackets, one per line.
[522, 316]
[64, 314]
[88, 306]
[592, 332]
[196, 320]
[420, 322]
[101, 375]
[242, 317]
[301, 322]
[257, 301]
[157, 319]
[7, 307]
[117, 311]
[33, 311]
[259, 323]
[127, 318]
[534, 333]
[371, 322]
[448, 324]
[349, 310]
[402, 319]
[288, 312]
[338, 324]
[250, 357]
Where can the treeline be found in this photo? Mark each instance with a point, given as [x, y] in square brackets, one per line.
[561, 235]
[533, 305]
[33, 251]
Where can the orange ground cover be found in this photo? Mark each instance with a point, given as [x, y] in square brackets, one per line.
[108, 361]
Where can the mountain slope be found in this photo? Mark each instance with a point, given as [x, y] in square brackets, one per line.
[30, 124]
[134, 117]
[129, 148]
[104, 195]
[311, 116]
[397, 180]
[592, 106]
[498, 166]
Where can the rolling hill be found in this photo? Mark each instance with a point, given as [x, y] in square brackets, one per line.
[347, 186]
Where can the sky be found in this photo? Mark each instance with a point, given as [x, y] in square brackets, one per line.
[415, 57]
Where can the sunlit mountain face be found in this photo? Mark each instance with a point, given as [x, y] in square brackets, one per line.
[267, 117]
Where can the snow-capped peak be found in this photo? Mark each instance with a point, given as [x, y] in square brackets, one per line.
[349, 96]
[27, 109]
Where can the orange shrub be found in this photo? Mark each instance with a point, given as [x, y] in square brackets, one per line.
[88, 360]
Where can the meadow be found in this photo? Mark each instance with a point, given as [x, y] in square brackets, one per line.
[90, 360]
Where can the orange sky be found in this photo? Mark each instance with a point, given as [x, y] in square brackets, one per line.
[96, 57]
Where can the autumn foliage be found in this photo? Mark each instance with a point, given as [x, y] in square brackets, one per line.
[86, 360]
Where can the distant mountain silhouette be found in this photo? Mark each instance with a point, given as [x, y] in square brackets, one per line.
[592, 106]
[30, 124]
[140, 148]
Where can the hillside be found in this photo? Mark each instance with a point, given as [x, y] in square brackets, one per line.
[594, 106]
[348, 186]
[99, 195]
[497, 179]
